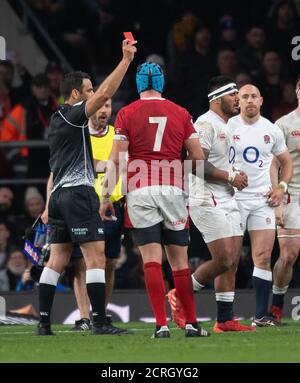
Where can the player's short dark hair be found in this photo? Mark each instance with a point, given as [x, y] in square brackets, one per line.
[217, 82]
[72, 80]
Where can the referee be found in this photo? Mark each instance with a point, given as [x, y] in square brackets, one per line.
[74, 204]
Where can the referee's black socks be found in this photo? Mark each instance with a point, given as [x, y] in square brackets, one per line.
[95, 284]
[47, 286]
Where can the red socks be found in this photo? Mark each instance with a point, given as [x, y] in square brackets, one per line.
[184, 292]
[156, 291]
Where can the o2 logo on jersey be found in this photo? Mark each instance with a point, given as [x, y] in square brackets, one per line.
[296, 51]
[232, 155]
[250, 155]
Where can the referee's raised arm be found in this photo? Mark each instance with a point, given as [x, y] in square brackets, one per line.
[111, 84]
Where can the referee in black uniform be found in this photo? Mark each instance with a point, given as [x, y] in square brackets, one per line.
[74, 204]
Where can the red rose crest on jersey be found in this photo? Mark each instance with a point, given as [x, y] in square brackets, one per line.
[236, 137]
[221, 136]
[267, 139]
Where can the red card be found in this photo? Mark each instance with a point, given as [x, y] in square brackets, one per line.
[129, 36]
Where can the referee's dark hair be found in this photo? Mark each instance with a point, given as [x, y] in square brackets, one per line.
[217, 82]
[72, 80]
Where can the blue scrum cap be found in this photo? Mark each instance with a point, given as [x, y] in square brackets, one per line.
[149, 76]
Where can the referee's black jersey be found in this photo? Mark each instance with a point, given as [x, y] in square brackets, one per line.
[71, 158]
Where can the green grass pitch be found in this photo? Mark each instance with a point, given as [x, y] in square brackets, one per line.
[277, 344]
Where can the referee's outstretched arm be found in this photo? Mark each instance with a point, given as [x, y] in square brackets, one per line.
[110, 85]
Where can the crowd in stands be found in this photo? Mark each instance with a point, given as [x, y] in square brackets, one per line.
[192, 40]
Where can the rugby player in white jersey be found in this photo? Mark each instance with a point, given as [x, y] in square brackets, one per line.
[255, 141]
[288, 214]
[216, 214]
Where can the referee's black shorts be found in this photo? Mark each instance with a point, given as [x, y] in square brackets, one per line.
[112, 234]
[74, 215]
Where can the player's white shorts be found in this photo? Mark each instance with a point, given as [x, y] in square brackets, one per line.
[291, 211]
[256, 214]
[150, 205]
[220, 221]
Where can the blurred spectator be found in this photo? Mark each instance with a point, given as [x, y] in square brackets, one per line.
[29, 120]
[5, 100]
[33, 206]
[180, 40]
[5, 245]
[26, 282]
[227, 62]
[196, 67]
[270, 82]
[181, 34]
[228, 32]
[7, 72]
[6, 170]
[287, 103]
[6, 202]
[15, 267]
[55, 75]
[251, 55]
[242, 78]
[50, 15]
[284, 25]
[34, 203]
[157, 59]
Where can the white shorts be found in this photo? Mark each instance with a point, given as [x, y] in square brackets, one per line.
[150, 205]
[256, 214]
[291, 212]
[217, 222]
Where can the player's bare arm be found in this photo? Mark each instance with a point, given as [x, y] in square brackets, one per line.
[111, 178]
[211, 173]
[110, 85]
[195, 152]
[286, 172]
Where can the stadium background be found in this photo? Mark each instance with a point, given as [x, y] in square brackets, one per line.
[250, 41]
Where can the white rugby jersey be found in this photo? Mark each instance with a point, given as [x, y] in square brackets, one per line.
[213, 137]
[290, 126]
[252, 149]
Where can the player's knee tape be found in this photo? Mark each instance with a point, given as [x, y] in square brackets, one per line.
[146, 235]
[178, 238]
